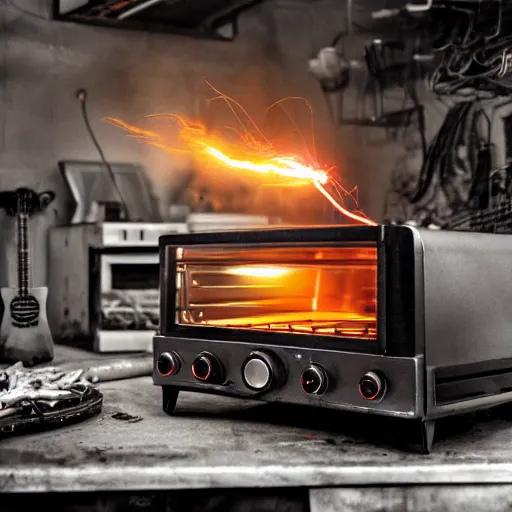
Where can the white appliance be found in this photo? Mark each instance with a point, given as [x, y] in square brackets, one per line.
[103, 284]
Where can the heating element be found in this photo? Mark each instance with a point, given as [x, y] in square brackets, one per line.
[386, 320]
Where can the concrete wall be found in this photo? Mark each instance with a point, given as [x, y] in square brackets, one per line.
[130, 74]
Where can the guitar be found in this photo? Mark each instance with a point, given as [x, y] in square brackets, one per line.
[24, 332]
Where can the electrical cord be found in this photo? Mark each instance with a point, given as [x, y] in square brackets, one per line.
[483, 220]
[475, 50]
[462, 196]
[391, 62]
[472, 44]
[473, 61]
[458, 129]
[82, 96]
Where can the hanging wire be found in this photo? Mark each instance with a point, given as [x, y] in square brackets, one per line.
[474, 49]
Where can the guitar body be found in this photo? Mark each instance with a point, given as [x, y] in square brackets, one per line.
[24, 333]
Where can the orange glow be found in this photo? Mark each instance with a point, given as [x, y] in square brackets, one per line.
[251, 271]
[282, 166]
[252, 151]
[329, 291]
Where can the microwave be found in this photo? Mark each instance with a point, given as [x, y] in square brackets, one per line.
[103, 284]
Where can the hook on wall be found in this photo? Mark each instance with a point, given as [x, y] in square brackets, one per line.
[419, 8]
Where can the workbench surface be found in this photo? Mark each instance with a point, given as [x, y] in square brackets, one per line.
[220, 442]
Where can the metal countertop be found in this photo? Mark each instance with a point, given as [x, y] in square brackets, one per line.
[223, 442]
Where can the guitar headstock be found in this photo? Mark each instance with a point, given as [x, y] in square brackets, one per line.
[25, 201]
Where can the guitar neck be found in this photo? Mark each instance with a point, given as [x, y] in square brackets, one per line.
[23, 254]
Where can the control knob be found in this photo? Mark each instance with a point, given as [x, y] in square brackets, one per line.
[168, 364]
[207, 368]
[372, 386]
[259, 371]
[314, 380]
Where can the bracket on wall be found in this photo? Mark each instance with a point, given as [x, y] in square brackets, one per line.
[204, 19]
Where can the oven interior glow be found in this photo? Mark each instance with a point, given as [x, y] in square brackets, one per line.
[263, 272]
[310, 290]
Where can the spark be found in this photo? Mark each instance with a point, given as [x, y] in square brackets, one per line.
[253, 153]
[354, 216]
[287, 167]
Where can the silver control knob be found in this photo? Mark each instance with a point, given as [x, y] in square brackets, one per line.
[258, 371]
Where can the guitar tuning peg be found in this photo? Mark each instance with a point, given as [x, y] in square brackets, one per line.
[46, 198]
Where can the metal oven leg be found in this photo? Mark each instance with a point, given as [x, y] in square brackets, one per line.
[169, 399]
[428, 429]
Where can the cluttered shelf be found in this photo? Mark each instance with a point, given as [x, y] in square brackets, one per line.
[216, 442]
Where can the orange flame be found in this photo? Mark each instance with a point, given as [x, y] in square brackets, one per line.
[250, 153]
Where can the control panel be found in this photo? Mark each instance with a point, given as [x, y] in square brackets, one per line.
[328, 378]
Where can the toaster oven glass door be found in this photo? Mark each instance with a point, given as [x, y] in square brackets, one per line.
[320, 290]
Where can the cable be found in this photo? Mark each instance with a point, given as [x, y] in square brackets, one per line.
[441, 160]
[82, 96]
[475, 51]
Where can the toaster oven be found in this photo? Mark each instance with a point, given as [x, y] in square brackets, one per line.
[386, 320]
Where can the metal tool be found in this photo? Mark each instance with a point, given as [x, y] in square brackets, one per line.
[120, 369]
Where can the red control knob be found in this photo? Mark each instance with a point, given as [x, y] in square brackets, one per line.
[168, 364]
[207, 368]
[372, 386]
